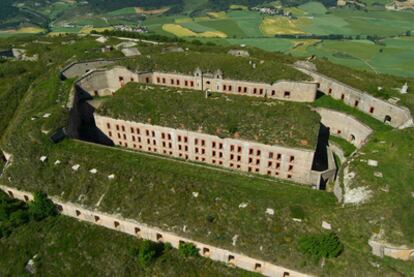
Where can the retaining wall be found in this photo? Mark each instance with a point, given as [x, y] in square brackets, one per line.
[118, 76]
[281, 162]
[345, 126]
[144, 231]
[382, 249]
[384, 111]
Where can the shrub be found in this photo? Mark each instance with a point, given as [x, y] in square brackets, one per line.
[188, 249]
[41, 207]
[321, 246]
[147, 253]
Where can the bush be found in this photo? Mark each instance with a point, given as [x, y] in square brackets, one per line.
[321, 246]
[147, 253]
[41, 207]
[188, 249]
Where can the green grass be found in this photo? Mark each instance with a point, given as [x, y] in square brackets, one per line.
[347, 147]
[247, 21]
[266, 121]
[236, 68]
[229, 27]
[65, 246]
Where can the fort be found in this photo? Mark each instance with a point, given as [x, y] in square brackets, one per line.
[307, 160]
[306, 165]
[296, 164]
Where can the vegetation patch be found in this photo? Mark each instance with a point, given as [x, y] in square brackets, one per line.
[321, 246]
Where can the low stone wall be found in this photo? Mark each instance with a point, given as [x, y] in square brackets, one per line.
[394, 115]
[345, 126]
[282, 162]
[382, 249]
[144, 231]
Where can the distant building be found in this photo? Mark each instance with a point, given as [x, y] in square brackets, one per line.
[239, 53]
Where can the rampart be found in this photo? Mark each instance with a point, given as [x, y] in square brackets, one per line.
[396, 116]
[282, 162]
[143, 231]
[105, 82]
[77, 69]
[345, 126]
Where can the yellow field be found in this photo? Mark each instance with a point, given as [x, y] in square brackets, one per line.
[26, 30]
[140, 10]
[88, 29]
[281, 25]
[181, 31]
[237, 7]
[218, 15]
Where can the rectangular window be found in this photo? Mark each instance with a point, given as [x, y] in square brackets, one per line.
[286, 94]
[371, 110]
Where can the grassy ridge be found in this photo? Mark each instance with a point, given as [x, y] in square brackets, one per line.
[256, 119]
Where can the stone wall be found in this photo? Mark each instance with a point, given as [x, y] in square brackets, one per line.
[119, 76]
[77, 69]
[144, 231]
[389, 113]
[381, 249]
[345, 126]
[281, 162]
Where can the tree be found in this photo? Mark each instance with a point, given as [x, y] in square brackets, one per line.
[188, 249]
[41, 207]
[321, 246]
[147, 253]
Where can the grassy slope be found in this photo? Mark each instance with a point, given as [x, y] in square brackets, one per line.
[65, 246]
[160, 191]
[237, 68]
[265, 121]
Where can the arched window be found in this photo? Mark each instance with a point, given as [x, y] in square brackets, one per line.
[387, 119]
[351, 138]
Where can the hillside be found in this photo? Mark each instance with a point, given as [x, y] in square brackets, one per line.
[160, 191]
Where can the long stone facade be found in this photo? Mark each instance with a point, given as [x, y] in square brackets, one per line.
[281, 162]
[105, 82]
[143, 231]
[396, 116]
[345, 126]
